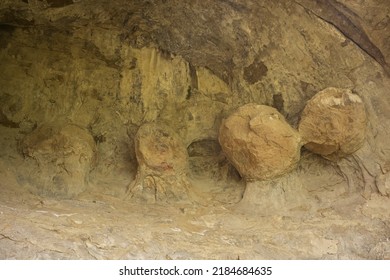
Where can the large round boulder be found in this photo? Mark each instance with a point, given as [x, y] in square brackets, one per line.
[259, 142]
[62, 155]
[333, 123]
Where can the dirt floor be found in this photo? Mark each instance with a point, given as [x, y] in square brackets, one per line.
[99, 224]
[104, 227]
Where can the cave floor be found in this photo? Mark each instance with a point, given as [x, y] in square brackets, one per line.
[100, 224]
[105, 227]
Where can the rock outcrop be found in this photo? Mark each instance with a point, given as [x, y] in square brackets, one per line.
[62, 156]
[162, 165]
[333, 123]
[259, 142]
[112, 66]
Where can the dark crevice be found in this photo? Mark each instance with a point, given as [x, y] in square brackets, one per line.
[255, 72]
[194, 77]
[278, 102]
[59, 3]
[6, 122]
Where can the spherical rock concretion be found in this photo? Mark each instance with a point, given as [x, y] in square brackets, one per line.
[259, 142]
[333, 123]
[162, 165]
[63, 155]
[160, 149]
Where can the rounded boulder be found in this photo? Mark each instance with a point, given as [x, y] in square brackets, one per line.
[333, 123]
[259, 142]
[162, 165]
[62, 156]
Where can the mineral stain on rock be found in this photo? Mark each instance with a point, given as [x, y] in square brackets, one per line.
[278, 102]
[103, 99]
[59, 3]
[255, 72]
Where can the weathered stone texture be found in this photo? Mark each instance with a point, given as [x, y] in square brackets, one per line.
[110, 66]
[162, 165]
[63, 155]
[275, 196]
[333, 123]
[259, 142]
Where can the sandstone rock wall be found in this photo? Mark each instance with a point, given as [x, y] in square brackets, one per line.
[45, 81]
[110, 66]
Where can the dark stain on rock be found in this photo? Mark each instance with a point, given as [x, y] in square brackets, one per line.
[235, 5]
[255, 72]
[165, 53]
[91, 48]
[4, 121]
[133, 63]
[345, 43]
[307, 89]
[59, 3]
[99, 138]
[194, 76]
[189, 93]
[304, 86]
[278, 102]
[6, 32]
[15, 18]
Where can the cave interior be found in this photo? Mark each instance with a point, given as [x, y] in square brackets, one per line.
[213, 129]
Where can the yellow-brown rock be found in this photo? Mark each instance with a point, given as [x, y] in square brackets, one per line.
[162, 165]
[63, 155]
[259, 142]
[333, 123]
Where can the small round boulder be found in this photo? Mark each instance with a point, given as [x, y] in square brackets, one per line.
[63, 155]
[333, 123]
[162, 165]
[259, 142]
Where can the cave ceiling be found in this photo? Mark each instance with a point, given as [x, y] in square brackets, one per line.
[216, 34]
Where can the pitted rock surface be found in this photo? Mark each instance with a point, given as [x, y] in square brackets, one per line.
[259, 142]
[162, 165]
[62, 156]
[333, 123]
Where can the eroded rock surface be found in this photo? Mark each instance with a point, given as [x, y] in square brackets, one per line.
[383, 183]
[162, 165]
[62, 156]
[333, 123]
[111, 66]
[275, 196]
[259, 142]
